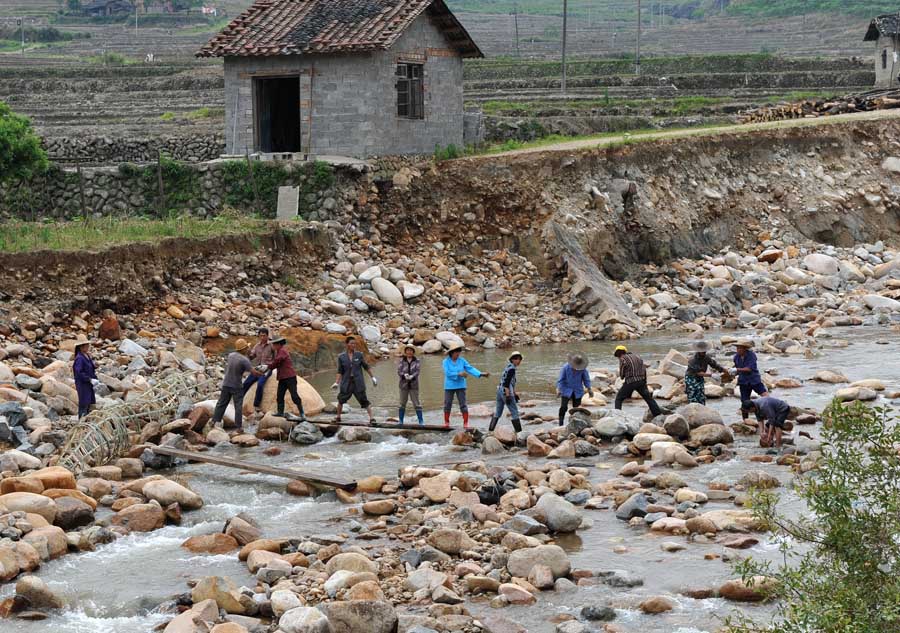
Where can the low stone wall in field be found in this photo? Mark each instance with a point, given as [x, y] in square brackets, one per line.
[104, 151]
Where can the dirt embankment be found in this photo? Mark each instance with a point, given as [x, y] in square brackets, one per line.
[125, 278]
[659, 200]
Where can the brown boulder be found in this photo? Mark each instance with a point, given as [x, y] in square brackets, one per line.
[142, 517]
[21, 484]
[210, 544]
[55, 477]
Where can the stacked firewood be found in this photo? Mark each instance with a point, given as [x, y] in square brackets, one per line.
[810, 109]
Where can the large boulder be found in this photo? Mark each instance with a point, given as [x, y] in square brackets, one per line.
[521, 561]
[822, 264]
[698, 415]
[167, 492]
[635, 506]
[303, 620]
[37, 593]
[451, 541]
[313, 404]
[387, 292]
[363, 616]
[710, 434]
[72, 513]
[874, 302]
[55, 477]
[616, 423]
[352, 562]
[306, 433]
[31, 503]
[222, 590]
[557, 514]
[141, 517]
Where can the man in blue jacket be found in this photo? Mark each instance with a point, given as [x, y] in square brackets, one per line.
[456, 369]
[771, 411]
[573, 380]
[747, 372]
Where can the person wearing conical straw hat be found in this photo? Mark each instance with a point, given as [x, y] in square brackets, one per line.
[85, 373]
[506, 393]
[633, 372]
[571, 384]
[232, 387]
[748, 377]
[456, 368]
[697, 370]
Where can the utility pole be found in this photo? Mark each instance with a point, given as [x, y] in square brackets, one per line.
[21, 22]
[135, 18]
[564, 27]
[637, 55]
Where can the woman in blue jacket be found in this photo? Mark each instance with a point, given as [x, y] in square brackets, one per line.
[455, 370]
[85, 373]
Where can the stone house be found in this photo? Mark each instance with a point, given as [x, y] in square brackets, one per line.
[106, 8]
[885, 31]
[343, 77]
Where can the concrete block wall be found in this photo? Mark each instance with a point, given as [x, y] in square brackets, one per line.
[355, 100]
[887, 77]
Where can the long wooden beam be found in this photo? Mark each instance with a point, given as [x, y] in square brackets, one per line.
[431, 428]
[288, 473]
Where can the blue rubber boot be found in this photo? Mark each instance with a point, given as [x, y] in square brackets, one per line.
[420, 417]
[401, 414]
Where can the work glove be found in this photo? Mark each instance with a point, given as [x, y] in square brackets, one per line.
[518, 398]
[407, 376]
[590, 393]
[95, 383]
[374, 381]
[334, 386]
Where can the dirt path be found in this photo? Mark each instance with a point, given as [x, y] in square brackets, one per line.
[595, 143]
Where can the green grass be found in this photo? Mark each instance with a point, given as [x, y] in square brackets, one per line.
[95, 234]
[786, 8]
[213, 27]
[167, 116]
[206, 113]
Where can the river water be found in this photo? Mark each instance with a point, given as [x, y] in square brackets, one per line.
[116, 588]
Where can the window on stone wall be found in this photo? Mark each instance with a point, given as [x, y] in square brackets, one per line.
[410, 91]
[884, 59]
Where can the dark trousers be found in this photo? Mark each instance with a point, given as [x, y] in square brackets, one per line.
[747, 391]
[564, 406]
[641, 387]
[230, 394]
[260, 384]
[288, 385]
[460, 395]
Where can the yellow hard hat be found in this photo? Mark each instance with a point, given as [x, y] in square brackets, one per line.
[620, 348]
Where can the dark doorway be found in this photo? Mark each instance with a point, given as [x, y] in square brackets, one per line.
[277, 114]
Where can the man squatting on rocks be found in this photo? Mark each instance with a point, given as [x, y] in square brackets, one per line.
[287, 378]
[633, 373]
[697, 370]
[506, 394]
[775, 414]
[573, 380]
[350, 381]
[263, 353]
[747, 372]
[408, 369]
[232, 388]
[455, 370]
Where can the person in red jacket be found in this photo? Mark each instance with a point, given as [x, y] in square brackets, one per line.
[287, 377]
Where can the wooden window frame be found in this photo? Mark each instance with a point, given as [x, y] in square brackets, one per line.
[884, 57]
[410, 89]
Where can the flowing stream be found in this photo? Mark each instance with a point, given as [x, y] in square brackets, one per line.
[116, 588]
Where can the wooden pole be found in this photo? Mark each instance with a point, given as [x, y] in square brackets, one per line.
[637, 55]
[288, 473]
[565, 25]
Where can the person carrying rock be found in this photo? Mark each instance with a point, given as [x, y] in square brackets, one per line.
[571, 384]
[287, 378]
[633, 372]
[350, 381]
[408, 369]
[747, 372]
[85, 373]
[771, 411]
[262, 354]
[232, 389]
[506, 394]
[455, 370]
[697, 370]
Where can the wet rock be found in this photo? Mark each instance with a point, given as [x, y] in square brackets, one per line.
[558, 514]
[304, 620]
[634, 506]
[515, 594]
[598, 613]
[37, 593]
[493, 446]
[712, 434]
[306, 433]
[210, 544]
[72, 513]
[242, 530]
[380, 507]
[141, 517]
[222, 591]
[620, 579]
[167, 492]
[521, 561]
[365, 616]
[759, 479]
[756, 589]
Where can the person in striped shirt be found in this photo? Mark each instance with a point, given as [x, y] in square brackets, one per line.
[633, 372]
[506, 394]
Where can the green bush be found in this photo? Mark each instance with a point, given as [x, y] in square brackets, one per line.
[21, 154]
[446, 153]
[841, 569]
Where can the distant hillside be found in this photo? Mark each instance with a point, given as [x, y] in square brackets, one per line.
[679, 9]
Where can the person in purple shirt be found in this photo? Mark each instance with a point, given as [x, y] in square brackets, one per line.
[771, 411]
[85, 374]
[748, 377]
[571, 384]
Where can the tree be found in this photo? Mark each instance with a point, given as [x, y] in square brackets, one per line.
[21, 154]
[841, 569]
[74, 5]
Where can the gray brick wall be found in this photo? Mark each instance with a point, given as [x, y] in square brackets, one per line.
[355, 101]
[886, 77]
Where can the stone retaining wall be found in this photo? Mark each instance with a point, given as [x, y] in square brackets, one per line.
[104, 150]
[201, 189]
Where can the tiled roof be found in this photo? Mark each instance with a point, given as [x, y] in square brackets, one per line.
[294, 27]
[888, 24]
